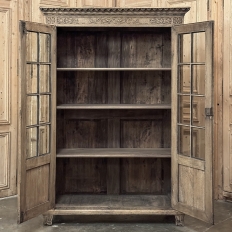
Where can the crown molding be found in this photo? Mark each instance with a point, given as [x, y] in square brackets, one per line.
[133, 17]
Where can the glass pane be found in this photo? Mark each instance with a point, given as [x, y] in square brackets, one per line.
[185, 48]
[31, 77]
[198, 143]
[32, 47]
[31, 114]
[44, 110]
[198, 111]
[31, 143]
[44, 139]
[184, 109]
[184, 140]
[44, 78]
[185, 77]
[198, 81]
[199, 47]
[44, 47]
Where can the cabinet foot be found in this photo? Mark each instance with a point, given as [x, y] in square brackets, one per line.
[179, 220]
[48, 218]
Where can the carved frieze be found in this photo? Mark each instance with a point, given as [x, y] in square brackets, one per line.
[114, 16]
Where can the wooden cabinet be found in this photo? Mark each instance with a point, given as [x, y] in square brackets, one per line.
[113, 103]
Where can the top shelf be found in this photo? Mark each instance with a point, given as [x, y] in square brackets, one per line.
[114, 69]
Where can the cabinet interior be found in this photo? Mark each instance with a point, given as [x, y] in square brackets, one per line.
[113, 117]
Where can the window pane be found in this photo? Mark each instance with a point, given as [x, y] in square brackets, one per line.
[185, 78]
[185, 48]
[199, 47]
[31, 143]
[31, 78]
[184, 140]
[44, 78]
[198, 81]
[198, 143]
[32, 47]
[44, 139]
[32, 111]
[44, 47]
[184, 109]
[198, 111]
[44, 116]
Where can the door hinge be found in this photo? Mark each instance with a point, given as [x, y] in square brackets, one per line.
[22, 27]
[209, 111]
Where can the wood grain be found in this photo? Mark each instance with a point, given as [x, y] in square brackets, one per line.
[84, 175]
[143, 176]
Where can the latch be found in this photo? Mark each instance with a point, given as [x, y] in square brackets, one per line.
[209, 111]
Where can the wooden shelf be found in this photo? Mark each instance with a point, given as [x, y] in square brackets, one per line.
[114, 69]
[113, 205]
[114, 152]
[113, 106]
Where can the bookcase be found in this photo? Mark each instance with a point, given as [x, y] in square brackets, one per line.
[102, 131]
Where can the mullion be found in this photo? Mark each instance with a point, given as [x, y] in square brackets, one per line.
[43, 63]
[191, 91]
[193, 63]
[37, 125]
[196, 127]
[38, 96]
[50, 90]
[45, 93]
[193, 95]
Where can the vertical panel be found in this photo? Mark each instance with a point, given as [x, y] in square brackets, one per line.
[227, 99]
[37, 185]
[5, 160]
[5, 41]
[8, 95]
[192, 184]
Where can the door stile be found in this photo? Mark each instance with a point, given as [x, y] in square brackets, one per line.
[209, 125]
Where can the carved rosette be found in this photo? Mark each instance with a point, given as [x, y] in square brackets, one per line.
[115, 16]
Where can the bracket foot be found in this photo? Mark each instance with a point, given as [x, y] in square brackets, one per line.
[48, 218]
[179, 219]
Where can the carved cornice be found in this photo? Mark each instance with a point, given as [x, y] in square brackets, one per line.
[172, 11]
[115, 16]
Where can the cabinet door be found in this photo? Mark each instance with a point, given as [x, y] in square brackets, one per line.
[192, 120]
[37, 88]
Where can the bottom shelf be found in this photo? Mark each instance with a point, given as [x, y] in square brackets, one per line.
[113, 205]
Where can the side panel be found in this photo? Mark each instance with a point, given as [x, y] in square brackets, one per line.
[8, 97]
[227, 102]
[37, 120]
[192, 120]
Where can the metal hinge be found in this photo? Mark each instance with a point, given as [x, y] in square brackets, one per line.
[23, 27]
[209, 111]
